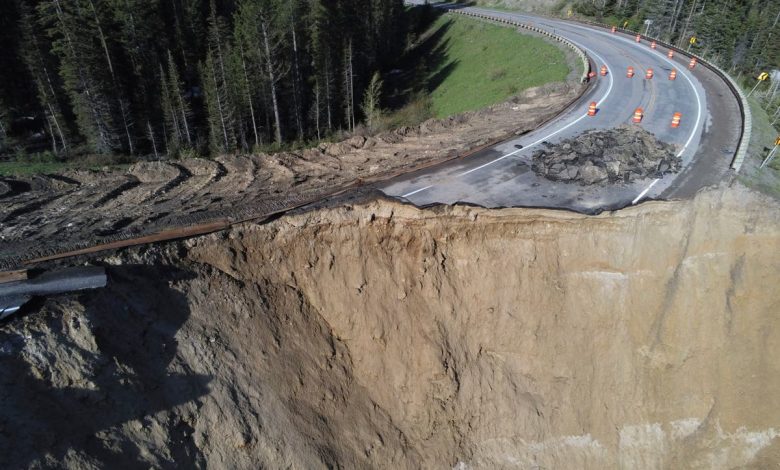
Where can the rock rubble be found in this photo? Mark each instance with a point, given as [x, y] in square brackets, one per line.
[620, 155]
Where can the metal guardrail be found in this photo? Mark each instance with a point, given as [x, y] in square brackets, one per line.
[744, 106]
[580, 53]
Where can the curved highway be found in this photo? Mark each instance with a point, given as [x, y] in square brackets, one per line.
[705, 140]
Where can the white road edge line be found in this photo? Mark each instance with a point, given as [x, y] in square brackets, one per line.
[598, 103]
[415, 192]
[690, 82]
[642, 194]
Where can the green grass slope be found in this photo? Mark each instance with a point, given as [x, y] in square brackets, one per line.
[485, 64]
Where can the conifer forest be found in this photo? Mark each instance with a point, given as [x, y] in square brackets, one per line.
[154, 77]
[740, 36]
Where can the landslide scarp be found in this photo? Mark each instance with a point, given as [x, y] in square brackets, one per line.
[378, 335]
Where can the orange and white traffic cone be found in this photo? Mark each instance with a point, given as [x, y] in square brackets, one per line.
[591, 74]
[673, 74]
[592, 109]
[638, 38]
[603, 70]
[652, 45]
[614, 28]
[638, 115]
[676, 120]
[649, 74]
[692, 63]
[670, 54]
[630, 72]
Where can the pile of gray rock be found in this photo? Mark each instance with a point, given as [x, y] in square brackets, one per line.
[607, 156]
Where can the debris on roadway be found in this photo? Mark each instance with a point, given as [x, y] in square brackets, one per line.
[619, 155]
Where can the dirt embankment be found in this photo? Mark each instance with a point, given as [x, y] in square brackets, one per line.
[380, 335]
[82, 206]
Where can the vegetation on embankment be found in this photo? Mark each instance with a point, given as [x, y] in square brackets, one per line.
[461, 64]
[489, 64]
[762, 140]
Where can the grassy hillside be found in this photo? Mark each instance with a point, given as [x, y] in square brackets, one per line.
[762, 140]
[489, 63]
[461, 64]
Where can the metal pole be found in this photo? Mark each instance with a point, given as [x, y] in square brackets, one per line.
[754, 88]
[769, 157]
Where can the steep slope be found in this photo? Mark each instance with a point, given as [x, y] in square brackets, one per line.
[381, 335]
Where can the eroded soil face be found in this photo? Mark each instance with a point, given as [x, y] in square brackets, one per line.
[380, 335]
[45, 214]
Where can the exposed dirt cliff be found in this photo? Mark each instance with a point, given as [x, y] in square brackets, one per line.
[380, 335]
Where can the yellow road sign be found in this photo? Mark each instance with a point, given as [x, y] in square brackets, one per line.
[777, 141]
[569, 12]
[763, 76]
[693, 40]
[625, 24]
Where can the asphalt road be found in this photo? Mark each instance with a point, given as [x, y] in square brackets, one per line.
[501, 176]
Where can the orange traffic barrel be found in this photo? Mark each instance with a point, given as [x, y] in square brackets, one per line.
[676, 120]
[670, 54]
[638, 37]
[673, 74]
[652, 45]
[592, 109]
[638, 115]
[591, 74]
[649, 74]
[692, 63]
[603, 70]
[630, 72]
[614, 28]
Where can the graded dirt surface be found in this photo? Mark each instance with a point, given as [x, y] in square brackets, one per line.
[378, 335]
[42, 214]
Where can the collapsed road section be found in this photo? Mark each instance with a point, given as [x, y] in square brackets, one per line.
[698, 111]
[379, 335]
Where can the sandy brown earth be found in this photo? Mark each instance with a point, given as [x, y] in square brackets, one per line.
[378, 335]
[42, 212]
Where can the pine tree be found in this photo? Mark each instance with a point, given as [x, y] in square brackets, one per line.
[261, 26]
[4, 123]
[179, 104]
[217, 86]
[38, 65]
[139, 35]
[82, 72]
[349, 85]
[371, 98]
[319, 33]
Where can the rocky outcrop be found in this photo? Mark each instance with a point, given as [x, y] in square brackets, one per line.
[620, 155]
[383, 336]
